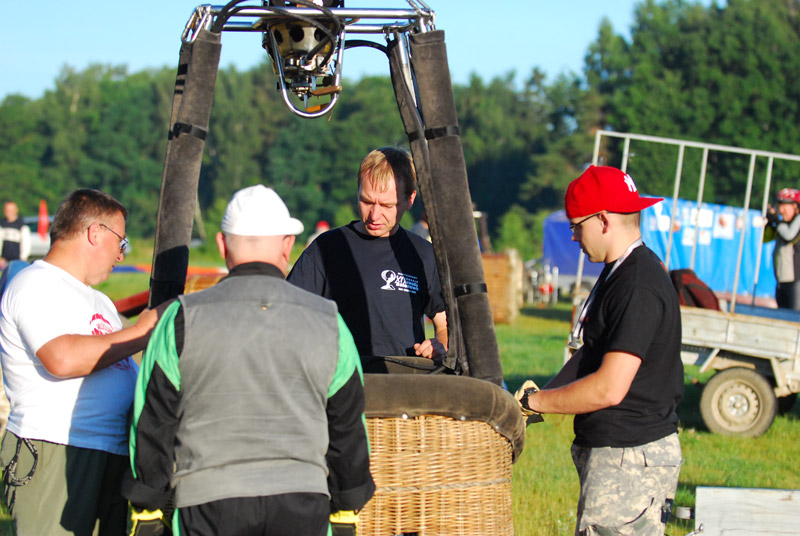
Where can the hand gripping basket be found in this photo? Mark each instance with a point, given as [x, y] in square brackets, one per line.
[441, 453]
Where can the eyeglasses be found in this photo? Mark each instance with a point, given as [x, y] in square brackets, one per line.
[573, 226]
[123, 240]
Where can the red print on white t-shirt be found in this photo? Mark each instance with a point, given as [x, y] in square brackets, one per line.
[100, 326]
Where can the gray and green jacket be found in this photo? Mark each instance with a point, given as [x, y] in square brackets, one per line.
[250, 388]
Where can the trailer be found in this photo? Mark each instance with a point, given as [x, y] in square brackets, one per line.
[754, 350]
[757, 359]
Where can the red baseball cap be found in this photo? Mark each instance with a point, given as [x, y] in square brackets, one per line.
[604, 188]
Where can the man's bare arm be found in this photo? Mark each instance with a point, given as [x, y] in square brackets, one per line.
[71, 356]
[438, 345]
[602, 389]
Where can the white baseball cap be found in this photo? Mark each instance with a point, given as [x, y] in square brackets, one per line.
[259, 211]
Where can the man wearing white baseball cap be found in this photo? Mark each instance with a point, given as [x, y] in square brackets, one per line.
[624, 383]
[263, 424]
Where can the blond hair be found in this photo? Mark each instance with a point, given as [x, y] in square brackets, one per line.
[386, 163]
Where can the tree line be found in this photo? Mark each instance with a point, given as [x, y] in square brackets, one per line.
[722, 73]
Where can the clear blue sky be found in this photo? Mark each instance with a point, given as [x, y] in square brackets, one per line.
[490, 38]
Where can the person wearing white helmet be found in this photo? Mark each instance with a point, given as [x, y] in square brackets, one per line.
[783, 226]
[257, 427]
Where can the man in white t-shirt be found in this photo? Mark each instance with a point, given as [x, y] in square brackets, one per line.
[69, 377]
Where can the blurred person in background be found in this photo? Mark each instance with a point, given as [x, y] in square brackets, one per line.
[15, 236]
[783, 226]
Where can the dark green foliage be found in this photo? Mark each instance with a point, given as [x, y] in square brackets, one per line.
[723, 73]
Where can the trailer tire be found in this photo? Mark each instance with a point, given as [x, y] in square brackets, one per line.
[738, 402]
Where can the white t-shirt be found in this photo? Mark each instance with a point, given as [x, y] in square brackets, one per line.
[41, 303]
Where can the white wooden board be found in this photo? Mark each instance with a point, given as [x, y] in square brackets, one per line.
[741, 511]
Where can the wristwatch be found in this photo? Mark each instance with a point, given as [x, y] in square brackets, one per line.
[527, 392]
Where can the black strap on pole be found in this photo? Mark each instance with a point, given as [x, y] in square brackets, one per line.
[469, 288]
[191, 130]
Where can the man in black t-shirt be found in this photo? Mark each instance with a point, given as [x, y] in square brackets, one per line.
[625, 382]
[383, 278]
[15, 236]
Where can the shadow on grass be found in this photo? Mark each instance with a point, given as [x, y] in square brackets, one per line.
[689, 407]
[515, 381]
[545, 313]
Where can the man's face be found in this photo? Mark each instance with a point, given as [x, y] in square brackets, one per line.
[10, 211]
[381, 210]
[108, 252]
[588, 232]
[787, 211]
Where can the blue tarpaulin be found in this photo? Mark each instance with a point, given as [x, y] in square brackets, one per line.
[559, 249]
[717, 229]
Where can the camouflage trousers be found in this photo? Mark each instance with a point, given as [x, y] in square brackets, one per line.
[626, 491]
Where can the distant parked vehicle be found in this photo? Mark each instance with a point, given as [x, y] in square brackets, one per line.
[39, 246]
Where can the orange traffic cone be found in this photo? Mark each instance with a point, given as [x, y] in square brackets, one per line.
[44, 220]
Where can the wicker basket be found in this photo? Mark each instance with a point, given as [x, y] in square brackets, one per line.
[197, 283]
[438, 476]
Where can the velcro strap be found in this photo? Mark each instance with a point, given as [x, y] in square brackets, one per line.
[433, 133]
[416, 135]
[440, 132]
[469, 288]
[192, 130]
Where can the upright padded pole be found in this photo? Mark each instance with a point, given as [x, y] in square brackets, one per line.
[457, 236]
[191, 111]
[455, 359]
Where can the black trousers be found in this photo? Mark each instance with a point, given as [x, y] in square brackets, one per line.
[290, 514]
[788, 295]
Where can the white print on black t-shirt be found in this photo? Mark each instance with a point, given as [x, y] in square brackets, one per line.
[399, 281]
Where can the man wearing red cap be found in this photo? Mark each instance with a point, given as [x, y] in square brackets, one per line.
[625, 381]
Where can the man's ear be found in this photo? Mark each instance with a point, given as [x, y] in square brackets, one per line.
[605, 220]
[222, 245]
[287, 245]
[411, 199]
[92, 233]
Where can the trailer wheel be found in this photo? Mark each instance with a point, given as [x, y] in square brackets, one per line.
[738, 402]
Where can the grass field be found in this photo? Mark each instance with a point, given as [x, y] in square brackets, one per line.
[544, 483]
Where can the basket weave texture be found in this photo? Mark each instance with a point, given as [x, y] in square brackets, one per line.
[438, 476]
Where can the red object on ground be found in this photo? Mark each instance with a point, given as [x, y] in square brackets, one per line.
[132, 305]
[43, 226]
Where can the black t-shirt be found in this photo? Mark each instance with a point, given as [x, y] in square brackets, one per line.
[382, 286]
[635, 311]
[11, 239]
